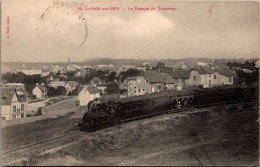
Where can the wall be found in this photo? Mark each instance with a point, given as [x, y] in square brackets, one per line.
[36, 91]
[85, 98]
[191, 79]
[60, 106]
[7, 123]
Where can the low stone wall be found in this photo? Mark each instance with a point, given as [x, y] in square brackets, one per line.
[58, 109]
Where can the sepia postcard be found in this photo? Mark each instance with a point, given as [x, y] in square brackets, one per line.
[129, 83]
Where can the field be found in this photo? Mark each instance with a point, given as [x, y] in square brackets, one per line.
[222, 136]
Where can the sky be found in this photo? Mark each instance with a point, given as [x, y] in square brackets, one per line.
[52, 31]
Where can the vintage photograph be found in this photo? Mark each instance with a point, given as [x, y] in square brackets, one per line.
[129, 83]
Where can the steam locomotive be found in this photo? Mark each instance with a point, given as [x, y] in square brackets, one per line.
[108, 113]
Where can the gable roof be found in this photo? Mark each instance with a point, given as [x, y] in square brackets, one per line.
[157, 77]
[7, 94]
[72, 83]
[184, 74]
[41, 87]
[203, 69]
[91, 89]
[225, 71]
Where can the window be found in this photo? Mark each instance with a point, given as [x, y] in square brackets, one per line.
[194, 78]
[143, 90]
[139, 90]
[14, 108]
[22, 107]
[209, 82]
[85, 91]
[215, 76]
[183, 81]
[14, 116]
[138, 80]
[22, 115]
[230, 79]
[209, 75]
[135, 91]
[146, 81]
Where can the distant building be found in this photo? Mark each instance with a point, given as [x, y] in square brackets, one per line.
[96, 81]
[87, 93]
[223, 76]
[13, 103]
[56, 84]
[73, 67]
[40, 91]
[201, 75]
[14, 85]
[181, 77]
[32, 72]
[70, 86]
[149, 82]
[46, 71]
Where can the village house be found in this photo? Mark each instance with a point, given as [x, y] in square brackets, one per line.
[46, 71]
[40, 91]
[96, 81]
[13, 104]
[181, 77]
[223, 76]
[86, 93]
[201, 76]
[149, 82]
[73, 67]
[32, 72]
[70, 86]
[14, 85]
[56, 84]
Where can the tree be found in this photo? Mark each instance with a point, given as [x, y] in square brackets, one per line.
[160, 65]
[112, 76]
[112, 88]
[129, 73]
[51, 91]
[61, 90]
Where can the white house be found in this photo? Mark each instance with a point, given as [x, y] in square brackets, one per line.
[13, 103]
[55, 84]
[40, 91]
[87, 93]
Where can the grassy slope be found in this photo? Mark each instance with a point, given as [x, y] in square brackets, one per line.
[220, 137]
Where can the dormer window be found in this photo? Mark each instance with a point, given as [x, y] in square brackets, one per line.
[4, 98]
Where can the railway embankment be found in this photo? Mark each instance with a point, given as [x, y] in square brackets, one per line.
[214, 136]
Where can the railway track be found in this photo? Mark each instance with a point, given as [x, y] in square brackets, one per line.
[61, 138]
[36, 146]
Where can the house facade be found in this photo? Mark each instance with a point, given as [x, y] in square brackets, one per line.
[201, 75]
[223, 76]
[70, 86]
[13, 104]
[87, 93]
[55, 84]
[40, 91]
[149, 82]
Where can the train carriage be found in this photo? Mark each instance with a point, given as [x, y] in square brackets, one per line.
[107, 113]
